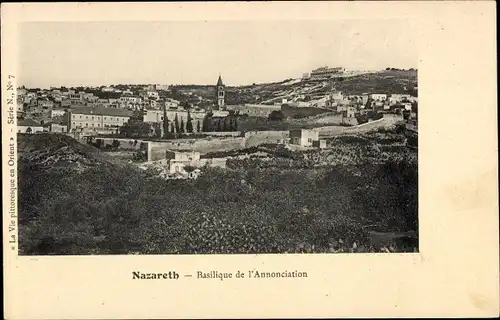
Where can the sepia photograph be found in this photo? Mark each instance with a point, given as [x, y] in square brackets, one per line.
[185, 138]
[221, 160]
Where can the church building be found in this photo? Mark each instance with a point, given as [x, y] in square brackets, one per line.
[220, 91]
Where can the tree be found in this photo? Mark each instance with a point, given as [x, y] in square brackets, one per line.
[207, 120]
[235, 124]
[172, 128]
[135, 128]
[165, 122]
[176, 123]
[226, 124]
[198, 126]
[189, 124]
[182, 126]
[220, 125]
[276, 115]
[368, 103]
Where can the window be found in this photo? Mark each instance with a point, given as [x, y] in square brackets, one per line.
[86, 124]
[309, 140]
[86, 117]
[80, 117]
[98, 125]
[73, 124]
[104, 118]
[92, 124]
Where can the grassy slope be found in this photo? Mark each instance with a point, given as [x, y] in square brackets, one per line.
[382, 82]
[113, 208]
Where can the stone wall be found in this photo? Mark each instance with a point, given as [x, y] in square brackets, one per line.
[125, 144]
[157, 148]
[223, 134]
[254, 110]
[255, 138]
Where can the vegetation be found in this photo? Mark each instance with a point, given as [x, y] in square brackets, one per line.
[276, 115]
[301, 112]
[189, 124]
[135, 127]
[109, 208]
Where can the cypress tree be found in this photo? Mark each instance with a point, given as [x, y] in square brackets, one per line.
[176, 122]
[198, 126]
[227, 124]
[189, 124]
[165, 122]
[182, 126]
[235, 124]
[207, 123]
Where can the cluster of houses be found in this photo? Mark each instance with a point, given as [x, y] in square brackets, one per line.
[108, 97]
[72, 111]
[80, 112]
[355, 105]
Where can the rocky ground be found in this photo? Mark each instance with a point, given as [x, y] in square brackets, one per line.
[50, 151]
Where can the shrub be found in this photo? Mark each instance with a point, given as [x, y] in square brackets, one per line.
[113, 209]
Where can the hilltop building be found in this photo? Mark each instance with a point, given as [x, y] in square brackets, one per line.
[325, 72]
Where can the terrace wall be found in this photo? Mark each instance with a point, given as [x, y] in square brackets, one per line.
[255, 138]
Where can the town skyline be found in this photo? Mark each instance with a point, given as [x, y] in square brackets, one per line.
[51, 54]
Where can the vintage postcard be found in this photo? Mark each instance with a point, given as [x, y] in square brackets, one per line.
[268, 159]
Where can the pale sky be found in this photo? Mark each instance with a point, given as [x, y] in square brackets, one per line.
[104, 53]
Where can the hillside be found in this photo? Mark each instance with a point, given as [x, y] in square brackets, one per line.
[387, 81]
[106, 208]
[48, 151]
[383, 82]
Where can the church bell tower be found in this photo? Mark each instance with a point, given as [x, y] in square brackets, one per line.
[220, 94]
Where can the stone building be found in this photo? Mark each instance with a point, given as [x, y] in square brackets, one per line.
[220, 94]
[95, 118]
[303, 137]
[29, 126]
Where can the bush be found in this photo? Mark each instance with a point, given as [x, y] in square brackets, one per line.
[111, 209]
[140, 156]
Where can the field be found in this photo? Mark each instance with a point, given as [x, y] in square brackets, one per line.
[302, 203]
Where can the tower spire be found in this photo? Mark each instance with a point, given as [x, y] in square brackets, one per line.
[219, 81]
[220, 93]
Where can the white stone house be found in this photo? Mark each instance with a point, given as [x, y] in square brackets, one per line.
[29, 126]
[303, 137]
[178, 160]
[379, 96]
